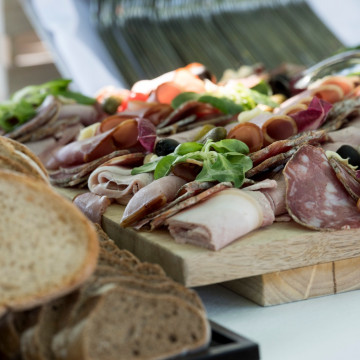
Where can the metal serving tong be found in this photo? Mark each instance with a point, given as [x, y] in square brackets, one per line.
[345, 63]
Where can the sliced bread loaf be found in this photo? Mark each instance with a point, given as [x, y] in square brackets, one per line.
[21, 159]
[48, 247]
[134, 325]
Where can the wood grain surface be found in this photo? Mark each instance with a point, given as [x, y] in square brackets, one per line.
[269, 251]
[301, 283]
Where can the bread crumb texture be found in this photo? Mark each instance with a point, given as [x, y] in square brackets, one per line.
[42, 245]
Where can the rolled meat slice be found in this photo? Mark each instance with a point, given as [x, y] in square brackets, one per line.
[315, 198]
[202, 224]
[264, 129]
[116, 182]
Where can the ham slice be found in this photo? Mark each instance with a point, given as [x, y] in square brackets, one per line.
[315, 198]
[92, 205]
[116, 182]
[202, 224]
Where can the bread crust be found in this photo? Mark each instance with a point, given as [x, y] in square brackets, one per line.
[25, 150]
[88, 264]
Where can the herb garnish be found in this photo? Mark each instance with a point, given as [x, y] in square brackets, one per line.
[224, 160]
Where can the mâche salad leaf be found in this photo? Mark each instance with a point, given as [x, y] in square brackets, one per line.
[223, 161]
[23, 103]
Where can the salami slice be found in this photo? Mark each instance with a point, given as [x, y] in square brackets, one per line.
[314, 196]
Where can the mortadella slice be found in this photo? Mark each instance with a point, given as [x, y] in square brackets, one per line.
[315, 198]
[224, 217]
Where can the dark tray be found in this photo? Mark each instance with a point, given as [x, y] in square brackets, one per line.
[225, 345]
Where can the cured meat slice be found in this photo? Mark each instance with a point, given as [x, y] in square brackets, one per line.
[45, 113]
[276, 194]
[314, 196]
[92, 205]
[271, 162]
[264, 128]
[341, 113]
[116, 182]
[202, 224]
[281, 146]
[347, 177]
[151, 198]
[183, 202]
[346, 136]
[75, 175]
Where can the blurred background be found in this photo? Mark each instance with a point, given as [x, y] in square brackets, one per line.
[116, 42]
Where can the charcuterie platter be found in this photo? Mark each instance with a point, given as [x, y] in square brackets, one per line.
[280, 263]
[216, 181]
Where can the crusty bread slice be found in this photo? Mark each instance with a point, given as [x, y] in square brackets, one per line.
[167, 286]
[134, 325]
[36, 342]
[21, 159]
[12, 326]
[48, 247]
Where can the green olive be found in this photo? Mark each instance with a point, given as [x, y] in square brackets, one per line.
[216, 134]
[111, 104]
[165, 146]
[203, 131]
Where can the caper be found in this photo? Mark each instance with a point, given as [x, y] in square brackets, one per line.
[165, 146]
[348, 152]
[216, 134]
[111, 104]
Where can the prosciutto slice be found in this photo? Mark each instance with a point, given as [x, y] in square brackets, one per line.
[315, 198]
[202, 224]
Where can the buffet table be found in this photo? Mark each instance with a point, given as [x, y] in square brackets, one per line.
[326, 327]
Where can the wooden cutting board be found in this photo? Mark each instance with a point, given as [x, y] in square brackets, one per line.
[279, 263]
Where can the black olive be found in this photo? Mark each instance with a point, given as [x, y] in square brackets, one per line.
[165, 146]
[348, 152]
[280, 84]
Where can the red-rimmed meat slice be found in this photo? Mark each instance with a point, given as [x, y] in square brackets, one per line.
[263, 129]
[151, 198]
[314, 196]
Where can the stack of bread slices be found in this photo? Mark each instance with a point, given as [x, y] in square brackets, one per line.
[68, 292]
